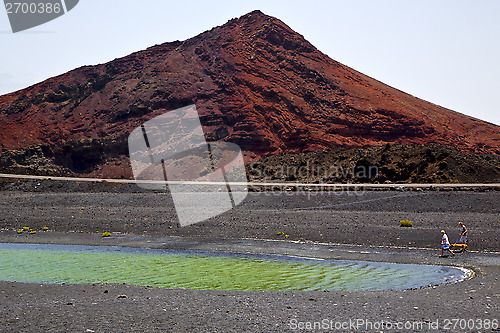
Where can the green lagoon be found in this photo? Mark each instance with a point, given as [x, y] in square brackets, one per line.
[71, 264]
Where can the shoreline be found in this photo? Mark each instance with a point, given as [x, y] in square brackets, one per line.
[123, 308]
[343, 227]
[355, 252]
[301, 250]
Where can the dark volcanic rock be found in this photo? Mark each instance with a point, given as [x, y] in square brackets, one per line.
[411, 163]
[254, 81]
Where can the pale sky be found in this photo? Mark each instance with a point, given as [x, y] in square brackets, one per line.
[444, 51]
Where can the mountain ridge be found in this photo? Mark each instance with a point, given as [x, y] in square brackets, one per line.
[255, 82]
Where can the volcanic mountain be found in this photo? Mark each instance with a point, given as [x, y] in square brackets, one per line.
[255, 82]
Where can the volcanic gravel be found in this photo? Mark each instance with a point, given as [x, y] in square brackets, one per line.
[367, 219]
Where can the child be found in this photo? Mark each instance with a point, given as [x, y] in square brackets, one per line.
[445, 244]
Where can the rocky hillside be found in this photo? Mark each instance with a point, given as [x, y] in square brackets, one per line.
[255, 82]
[411, 163]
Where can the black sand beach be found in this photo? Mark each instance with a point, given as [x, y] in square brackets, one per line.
[358, 226]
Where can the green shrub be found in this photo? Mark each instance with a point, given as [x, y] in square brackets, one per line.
[406, 223]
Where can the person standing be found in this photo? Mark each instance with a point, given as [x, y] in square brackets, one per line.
[463, 234]
[445, 243]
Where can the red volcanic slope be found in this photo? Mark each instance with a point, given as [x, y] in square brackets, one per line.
[255, 82]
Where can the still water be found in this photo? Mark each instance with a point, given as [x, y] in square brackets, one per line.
[74, 264]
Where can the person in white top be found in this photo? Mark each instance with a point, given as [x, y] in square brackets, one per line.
[445, 243]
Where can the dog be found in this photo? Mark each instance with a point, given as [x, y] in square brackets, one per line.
[460, 247]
